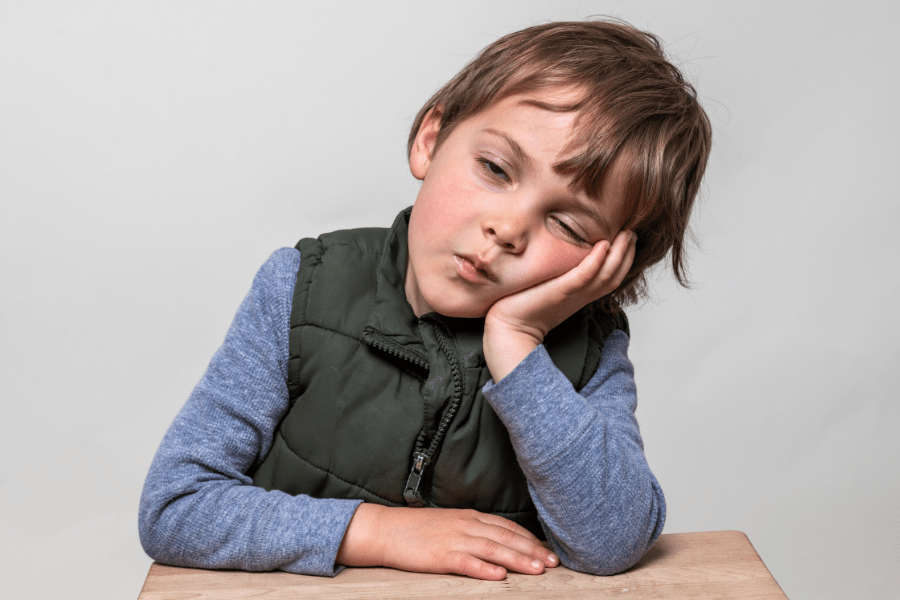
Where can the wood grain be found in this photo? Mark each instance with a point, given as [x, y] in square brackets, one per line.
[717, 564]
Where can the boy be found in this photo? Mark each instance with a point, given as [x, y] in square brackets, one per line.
[443, 395]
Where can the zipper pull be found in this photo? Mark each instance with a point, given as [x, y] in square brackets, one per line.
[411, 493]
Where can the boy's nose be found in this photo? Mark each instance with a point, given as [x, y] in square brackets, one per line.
[507, 233]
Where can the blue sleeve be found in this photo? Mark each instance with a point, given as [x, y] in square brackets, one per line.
[198, 507]
[582, 454]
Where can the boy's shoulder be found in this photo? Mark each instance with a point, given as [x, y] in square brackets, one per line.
[362, 240]
[280, 269]
[365, 239]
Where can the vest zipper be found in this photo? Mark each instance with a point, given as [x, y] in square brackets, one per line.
[411, 493]
[421, 459]
[385, 345]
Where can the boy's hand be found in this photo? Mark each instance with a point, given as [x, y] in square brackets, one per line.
[516, 325]
[441, 540]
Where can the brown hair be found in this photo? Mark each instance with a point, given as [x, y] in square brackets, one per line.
[635, 104]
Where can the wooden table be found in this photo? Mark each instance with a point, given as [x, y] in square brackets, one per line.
[719, 564]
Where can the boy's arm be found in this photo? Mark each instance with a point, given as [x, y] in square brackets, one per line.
[198, 507]
[582, 453]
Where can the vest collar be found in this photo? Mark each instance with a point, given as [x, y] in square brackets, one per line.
[392, 316]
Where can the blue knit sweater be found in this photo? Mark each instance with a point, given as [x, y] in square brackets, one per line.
[582, 453]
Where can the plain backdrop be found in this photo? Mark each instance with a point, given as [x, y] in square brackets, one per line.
[153, 154]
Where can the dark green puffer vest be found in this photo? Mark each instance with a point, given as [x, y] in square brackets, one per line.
[387, 407]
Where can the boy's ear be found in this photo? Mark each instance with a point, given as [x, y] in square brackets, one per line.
[423, 147]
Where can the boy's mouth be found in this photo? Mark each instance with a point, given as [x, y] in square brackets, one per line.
[473, 269]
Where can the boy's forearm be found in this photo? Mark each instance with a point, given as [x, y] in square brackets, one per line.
[212, 522]
[583, 457]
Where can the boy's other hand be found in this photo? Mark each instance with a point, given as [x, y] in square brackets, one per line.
[516, 324]
[441, 540]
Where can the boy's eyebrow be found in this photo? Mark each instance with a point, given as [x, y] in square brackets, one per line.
[514, 146]
[522, 157]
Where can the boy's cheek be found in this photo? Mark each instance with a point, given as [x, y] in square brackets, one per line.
[559, 260]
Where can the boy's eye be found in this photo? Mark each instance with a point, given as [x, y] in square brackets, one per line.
[493, 169]
[569, 231]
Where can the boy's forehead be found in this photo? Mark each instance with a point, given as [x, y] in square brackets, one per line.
[535, 125]
[542, 130]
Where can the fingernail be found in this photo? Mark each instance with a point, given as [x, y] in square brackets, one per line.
[554, 559]
[536, 564]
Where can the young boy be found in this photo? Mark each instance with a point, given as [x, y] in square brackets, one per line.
[443, 395]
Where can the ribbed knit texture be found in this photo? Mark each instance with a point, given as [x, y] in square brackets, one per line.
[582, 453]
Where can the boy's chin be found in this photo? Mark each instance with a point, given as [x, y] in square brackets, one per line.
[462, 314]
[457, 311]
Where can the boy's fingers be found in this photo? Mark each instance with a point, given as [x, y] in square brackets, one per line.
[618, 261]
[521, 541]
[497, 521]
[605, 267]
[491, 545]
[503, 555]
[466, 564]
[587, 271]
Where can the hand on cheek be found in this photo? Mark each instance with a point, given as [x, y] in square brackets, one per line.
[516, 325]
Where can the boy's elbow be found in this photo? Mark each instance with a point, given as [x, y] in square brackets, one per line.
[158, 533]
[620, 544]
[610, 564]
[149, 530]
[606, 562]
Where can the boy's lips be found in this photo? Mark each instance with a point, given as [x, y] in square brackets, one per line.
[473, 269]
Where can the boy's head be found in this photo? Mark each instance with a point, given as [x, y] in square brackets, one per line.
[633, 124]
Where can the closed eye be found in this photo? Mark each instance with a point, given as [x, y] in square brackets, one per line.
[492, 169]
[569, 231]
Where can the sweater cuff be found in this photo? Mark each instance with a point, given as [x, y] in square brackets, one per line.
[331, 527]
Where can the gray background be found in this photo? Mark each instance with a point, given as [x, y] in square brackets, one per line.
[153, 154]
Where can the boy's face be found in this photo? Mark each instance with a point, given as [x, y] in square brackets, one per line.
[492, 217]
